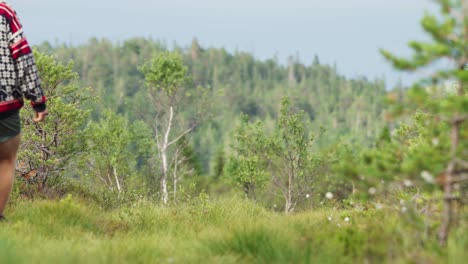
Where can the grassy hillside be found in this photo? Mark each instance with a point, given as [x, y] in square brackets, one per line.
[221, 231]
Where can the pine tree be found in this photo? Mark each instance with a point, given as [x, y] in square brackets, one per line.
[449, 33]
[49, 147]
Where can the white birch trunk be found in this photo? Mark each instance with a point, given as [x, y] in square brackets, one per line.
[119, 189]
[163, 149]
[175, 179]
[288, 206]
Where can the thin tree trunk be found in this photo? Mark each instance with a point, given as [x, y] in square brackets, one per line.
[448, 187]
[289, 194]
[109, 178]
[456, 124]
[175, 179]
[288, 205]
[119, 189]
[165, 195]
[165, 145]
[43, 171]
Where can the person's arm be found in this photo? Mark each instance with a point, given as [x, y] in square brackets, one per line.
[25, 65]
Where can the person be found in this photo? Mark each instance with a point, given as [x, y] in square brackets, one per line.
[18, 79]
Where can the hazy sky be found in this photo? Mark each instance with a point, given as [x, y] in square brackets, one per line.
[348, 32]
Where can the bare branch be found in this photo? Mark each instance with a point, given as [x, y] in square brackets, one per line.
[182, 135]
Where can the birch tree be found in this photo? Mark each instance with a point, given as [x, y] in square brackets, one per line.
[168, 91]
[284, 159]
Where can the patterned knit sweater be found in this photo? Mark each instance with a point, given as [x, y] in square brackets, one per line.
[18, 73]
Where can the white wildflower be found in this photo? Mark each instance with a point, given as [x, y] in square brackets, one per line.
[379, 206]
[307, 196]
[435, 141]
[372, 190]
[427, 177]
[404, 209]
[347, 219]
[329, 218]
[329, 195]
[407, 183]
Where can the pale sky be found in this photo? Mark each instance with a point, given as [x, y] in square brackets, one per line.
[346, 32]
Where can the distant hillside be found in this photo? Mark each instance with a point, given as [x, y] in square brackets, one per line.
[349, 109]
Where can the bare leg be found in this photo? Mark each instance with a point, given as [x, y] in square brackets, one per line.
[8, 152]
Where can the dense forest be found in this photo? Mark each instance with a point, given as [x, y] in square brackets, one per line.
[138, 122]
[350, 109]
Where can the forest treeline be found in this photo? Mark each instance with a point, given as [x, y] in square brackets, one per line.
[351, 110]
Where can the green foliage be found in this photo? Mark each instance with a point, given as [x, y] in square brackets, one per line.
[165, 72]
[115, 147]
[47, 148]
[411, 156]
[247, 174]
[248, 169]
[292, 131]
[283, 158]
[448, 33]
[425, 145]
[427, 151]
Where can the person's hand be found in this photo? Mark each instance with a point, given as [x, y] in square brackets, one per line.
[40, 116]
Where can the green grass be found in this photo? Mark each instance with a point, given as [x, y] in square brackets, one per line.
[222, 231]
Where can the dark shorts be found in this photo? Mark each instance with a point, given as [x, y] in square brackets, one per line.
[10, 126]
